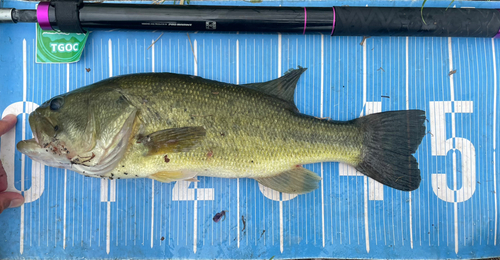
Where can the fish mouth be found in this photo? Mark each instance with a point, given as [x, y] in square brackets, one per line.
[44, 147]
[33, 150]
[42, 128]
[28, 146]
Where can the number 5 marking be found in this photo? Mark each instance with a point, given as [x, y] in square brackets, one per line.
[441, 146]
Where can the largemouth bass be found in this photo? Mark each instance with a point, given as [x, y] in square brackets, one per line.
[171, 127]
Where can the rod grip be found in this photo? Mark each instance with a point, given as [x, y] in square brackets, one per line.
[454, 22]
[24, 16]
[66, 14]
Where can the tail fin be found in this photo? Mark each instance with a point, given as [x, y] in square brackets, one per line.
[390, 139]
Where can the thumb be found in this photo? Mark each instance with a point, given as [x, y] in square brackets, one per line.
[10, 200]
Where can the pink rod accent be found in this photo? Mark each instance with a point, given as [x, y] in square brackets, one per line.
[333, 25]
[305, 20]
[42, 15]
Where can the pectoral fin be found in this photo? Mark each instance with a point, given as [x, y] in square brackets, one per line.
[295, 181]
[173, 140]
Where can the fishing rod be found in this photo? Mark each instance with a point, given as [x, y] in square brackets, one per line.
[74, 16]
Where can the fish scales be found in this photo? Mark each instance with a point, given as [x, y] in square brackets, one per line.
[248, 134]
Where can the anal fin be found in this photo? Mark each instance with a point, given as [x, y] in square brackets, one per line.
[294, 181]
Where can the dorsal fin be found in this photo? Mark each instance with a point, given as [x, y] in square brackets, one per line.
[282, 88]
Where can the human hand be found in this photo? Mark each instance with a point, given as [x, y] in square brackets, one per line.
[7, 199]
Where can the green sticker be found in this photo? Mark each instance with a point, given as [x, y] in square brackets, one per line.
[58, 47]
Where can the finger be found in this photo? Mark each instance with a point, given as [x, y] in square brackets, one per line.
[10, 200]
[7, 123]
[3, 178]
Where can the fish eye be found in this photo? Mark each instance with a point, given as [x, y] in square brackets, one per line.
[56, 104]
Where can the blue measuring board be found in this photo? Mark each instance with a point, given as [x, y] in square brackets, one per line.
[454, 213]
